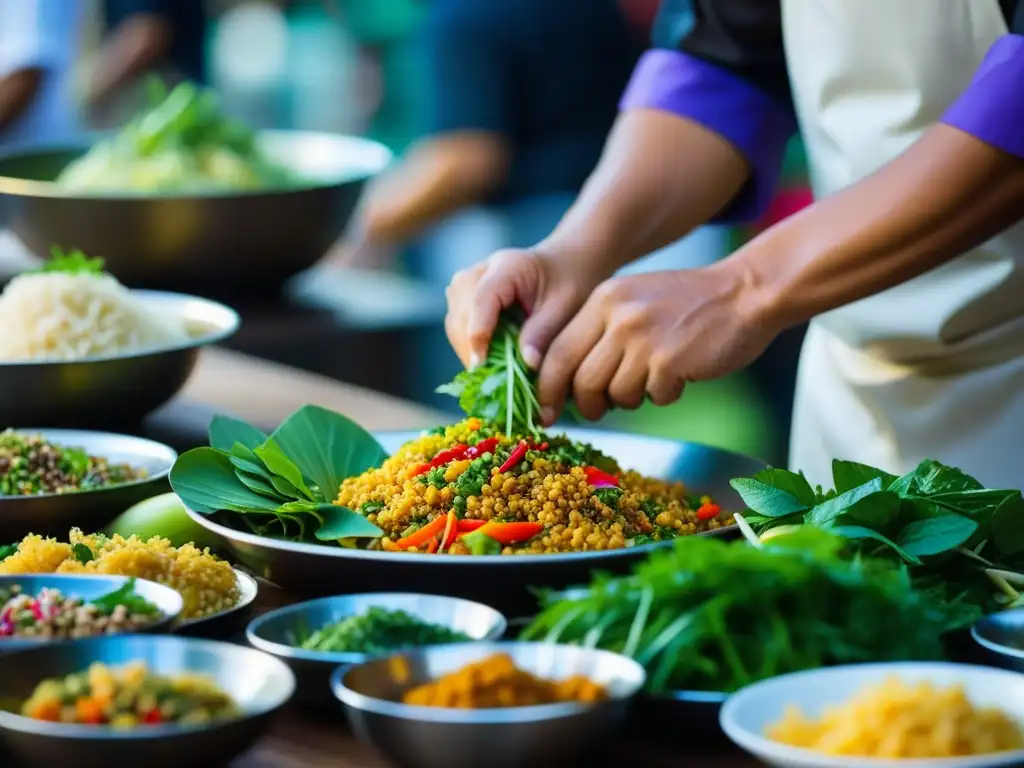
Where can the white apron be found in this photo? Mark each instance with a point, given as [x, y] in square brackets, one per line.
[934, 367]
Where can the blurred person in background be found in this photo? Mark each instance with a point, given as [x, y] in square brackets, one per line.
[39, 40]
[911, 262]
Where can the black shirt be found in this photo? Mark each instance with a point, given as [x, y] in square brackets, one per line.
[546, 74]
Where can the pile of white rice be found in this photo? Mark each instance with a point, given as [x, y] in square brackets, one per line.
[63, 316]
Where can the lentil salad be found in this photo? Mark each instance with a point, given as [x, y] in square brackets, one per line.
[31, 465]
[469, 489]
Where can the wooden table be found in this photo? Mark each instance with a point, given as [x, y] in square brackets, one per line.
[264, 393]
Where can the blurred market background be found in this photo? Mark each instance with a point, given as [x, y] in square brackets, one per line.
[362, 67]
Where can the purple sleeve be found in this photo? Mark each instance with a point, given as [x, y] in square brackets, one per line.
[739, 112]
[992, 107]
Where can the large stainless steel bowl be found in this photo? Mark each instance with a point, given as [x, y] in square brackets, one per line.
[507, 583]
[54, 514]
[281, 631]
[209, 242]
[258, 683]
[118, 391]
[90, 587]
[435, 737]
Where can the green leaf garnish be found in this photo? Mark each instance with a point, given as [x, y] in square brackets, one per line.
[7, 550]
[71, 262]
[344, 523]
[125, 595]
[82, 553]
[226, 431]
[205, 480]
[481, 544]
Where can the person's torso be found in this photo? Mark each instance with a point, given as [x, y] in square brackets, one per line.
[571, 62]
[867, 78]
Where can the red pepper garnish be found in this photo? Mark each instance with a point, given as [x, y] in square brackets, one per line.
[539, 446]
[599, 479]
[451, 454]
[484, 446]
[419, 469]
[708, 511]
[451, 531]
[153, 717]
[37, 611]
[511, 533]
[424, 534]
[432, 546]
[466, 526]
[515, 457]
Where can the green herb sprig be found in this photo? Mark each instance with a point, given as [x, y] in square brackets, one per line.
[283, 484]
[125, 595]
[716, 616]
[958, 539]
[73, 262]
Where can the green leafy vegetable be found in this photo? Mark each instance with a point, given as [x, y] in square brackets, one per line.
[481, 544]
[82, 553]
[282, 485]
[711, 615]
[936, 519]
[7, 550]
[125, 595]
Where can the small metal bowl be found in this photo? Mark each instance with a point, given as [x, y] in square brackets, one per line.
[90, 587]
[1001, 636]
[228, 622]
[113, 392]
[279, 631]
[259, 684]
[54, 514]
[434, 737]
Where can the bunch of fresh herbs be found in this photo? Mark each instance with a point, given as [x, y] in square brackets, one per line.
[503, 389]
[716, 616]
[283, 484]
[957, 538]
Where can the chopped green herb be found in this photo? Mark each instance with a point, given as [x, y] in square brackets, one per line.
[82, 553]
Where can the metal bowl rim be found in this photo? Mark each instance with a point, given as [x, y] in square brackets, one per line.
[496, 716]
[166, 620]
[21, 724]
[32, 188]
[214, 336]
[247, 596]
[690, 696]
[978, 632]
[348, 658]
[43, 431]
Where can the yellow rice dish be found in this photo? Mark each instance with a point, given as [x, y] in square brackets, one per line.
[467, 489]
[207, 585]
[899, 720]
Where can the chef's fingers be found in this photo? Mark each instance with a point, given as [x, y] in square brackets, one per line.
[627, 387]
[505, 279]
[664, 385]
[567, 352]
[461, 293]
[590, 384]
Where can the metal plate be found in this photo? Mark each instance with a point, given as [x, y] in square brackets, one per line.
[506, 583]
[118, 391]
[54, 514]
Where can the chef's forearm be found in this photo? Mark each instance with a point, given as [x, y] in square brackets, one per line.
[17, 92]
[660, 176]
[436, 178]
[946, 194]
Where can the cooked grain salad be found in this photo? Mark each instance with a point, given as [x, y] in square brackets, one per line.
[467, 489]
[207, 584]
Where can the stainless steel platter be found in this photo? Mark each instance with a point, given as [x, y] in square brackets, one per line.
[507, 583]
[54, 514]
[90, 587]
[258, 683]
[209, 242]
[118, 391]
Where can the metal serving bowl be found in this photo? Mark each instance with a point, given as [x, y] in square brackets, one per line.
[1001, 636]
[259, 684]
[279, 632]
[213, 241]
[434, 737]
[117, 391]
[90, 587]
[54, 514]
[504, 582]
[228, 622]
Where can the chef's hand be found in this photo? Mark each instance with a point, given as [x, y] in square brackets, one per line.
[545, 284]
[648, 335]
